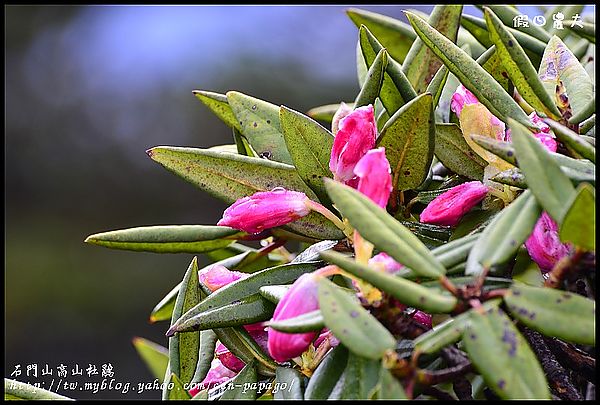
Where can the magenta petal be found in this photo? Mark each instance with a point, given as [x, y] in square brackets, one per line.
[461, 97]
[448, 208]
[544, 245]
[390, 265]
[300, 299]
[265, 209]
[218, 276]
[423, 318]
[217, 374]
[228, 359]
[342, 112]
[375, 179]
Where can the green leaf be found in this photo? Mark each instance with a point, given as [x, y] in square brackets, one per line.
[501, 239]
[274, 293]
[185, 348]
[389, 386]
[477, 28]
[519, 67]
[19, 390]
[514, 177]
[242, 145]
[396, 90]
[168, 239]
[472, 76]
[230, 177]
[393, 34]
[560, 65]
[218, 104]
[325, 112]
[310, 147]
[573, 140]
[245, 378]
[359, 379]
[353, 325]
[378, 227]
[501, 149]
[421, 64]
[244, 347]
[178, 392]
[586, 30]
[456, 251]
[246, 287]
[327, 374]
[373, 81]
[290, 384]
[436, 85]
[502, 356]
[491, 61]
[579, 224]
[447, 332]
[565, 315]
[551, 187]
[259, 124]
[410, 293]
[525, 270]
[154, 356]
[584, 114]
[206, 353]
[408, 138]
[308, 322]
[456, 154]
[567, 11]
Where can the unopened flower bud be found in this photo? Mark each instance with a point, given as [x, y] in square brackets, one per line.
[448, 208]
[217, 276]
[342, 111]
[375, 179]
[544, 245]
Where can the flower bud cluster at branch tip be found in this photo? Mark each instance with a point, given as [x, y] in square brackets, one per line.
[375, 179]
[448, 208]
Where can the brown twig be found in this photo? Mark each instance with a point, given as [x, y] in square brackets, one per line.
[573, 358]
[463, 389]
[438, 394]
[459, 366]
[558, 378]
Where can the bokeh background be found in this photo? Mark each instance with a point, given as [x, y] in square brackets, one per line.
[88, 89]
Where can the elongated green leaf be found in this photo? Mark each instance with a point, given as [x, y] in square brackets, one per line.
[243, 383]
[584, 29]
[456, 154]
[178, 392]
[409, 292]
[393, 34]
[560, 65]
[168, 238]
[358, 330]
[259, 124]
[310, 147]
[491, 61]
[325, 112]
[436, 85]
[290, 384]
[246, 287]
[572, 140]
[327, 374]
[185, 348]
[568, 11]
[472, 76]
[389, 387]
[206, 352]
[519, 67]
[503, 357]
[231, 177]
[439, 232]
[525, 270]
[396, 90]
[379, 228]
[242, 146]
[579, 224]
[502, 237]
[562, 314]
[308, 322]
[501, 149]
[373, 80]
[421, 64]
[154, 355]
[218, 104]
[408, 138]
[550, 186]
[588, 111]
[17, 390]
[507, 15]
[244, 347]
[514, 177]
[476, 29]
[274, 293]
[359, 379]
[447, 332]
[466, 39]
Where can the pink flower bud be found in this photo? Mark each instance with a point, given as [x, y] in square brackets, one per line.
[300, 299]
[217, 374]
[423, 318]
[449, 207]
[461, 97]
[326, 334]
[342, 111]
[375, 180]
[217, 276]
[543, 136]
[265, 209]
[228, 359]
[544, 245]
[537, 121]
[386, 262]
[356, 135]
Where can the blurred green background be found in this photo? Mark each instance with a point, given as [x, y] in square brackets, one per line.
[88, 90]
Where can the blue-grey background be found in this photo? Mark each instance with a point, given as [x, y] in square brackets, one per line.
[88, 90]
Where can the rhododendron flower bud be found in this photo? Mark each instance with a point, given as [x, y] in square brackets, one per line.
[386, 262]
[544, 246]
[300, 299]
[356, 135]
[326, 334]
[265, 209]
[217, 374]
[228, 359]
[461, 97]
[218, 276]
[543, 136]
[342, 111]
[448, 208]
[423, 318]
[375, 179]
